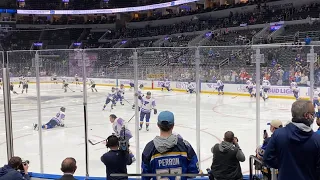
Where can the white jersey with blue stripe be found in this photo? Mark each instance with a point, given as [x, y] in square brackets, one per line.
[219, 83]
[266, 84]
[316, 94]
[59, 118]
[249, 84]
[147, 104]
[111, 94]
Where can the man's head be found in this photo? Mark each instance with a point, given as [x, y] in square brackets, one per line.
[303, 112]
[69, 165]
[112, 118]
[148, 95]
[166, 121]
[113, 142]
[275, 124]
[228, 136]
[15, 162]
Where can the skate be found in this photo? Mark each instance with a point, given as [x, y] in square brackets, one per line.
[121, 103]
[96, 90]
[147, 128]
[133, 106]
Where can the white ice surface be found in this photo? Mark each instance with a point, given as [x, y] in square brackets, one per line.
[218, 115]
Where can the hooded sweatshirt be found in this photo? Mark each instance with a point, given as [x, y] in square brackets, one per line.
[8, 173]
[295, 151]
[169, 155]
[225, 161]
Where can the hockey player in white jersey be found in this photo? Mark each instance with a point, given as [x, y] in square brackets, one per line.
[266, 87]
[21, 79]
[190, 88]
[166, 85]
[76, 78]
[139, 94]
[56, 121]
[121, 130]
[147, 104]
[25, 86]
[249, 86]
[120, 94]
[93, 85]
[54, 78]
[111, 97]
[295, 89]
[65, 85]
[220, 87]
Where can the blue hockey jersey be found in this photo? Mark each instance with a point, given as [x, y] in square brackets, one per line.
[171, 155]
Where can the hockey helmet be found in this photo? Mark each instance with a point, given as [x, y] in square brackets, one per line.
[141, 86]
[148, 93]
[63, 109]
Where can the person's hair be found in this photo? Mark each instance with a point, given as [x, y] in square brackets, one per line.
[229, 136]
[300, 108]
[15, 162]
[112, 141]
[165, 126]
[278, 127]
[113, 116]
[69, 165]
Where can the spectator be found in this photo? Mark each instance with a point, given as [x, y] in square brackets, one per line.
[307, 40]
[116, 160]
[226, 157]
[274, 125]
[286, 145]
[168, 152]
[15, 170]
[318, 123]
[68, 167]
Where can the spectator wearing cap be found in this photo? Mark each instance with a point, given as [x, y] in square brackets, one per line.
[294, 150]
[274, 125]
[168, 153]
[68, 167]
[226, 158]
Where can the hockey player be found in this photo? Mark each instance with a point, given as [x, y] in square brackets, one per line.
[65, 85]
[147, 104]
[21, 79]
[190, 88]
[110, 98]
[249, 86]
[316, 103]
[56, 121]
[266, 87]
[76, 78]
[165, 85]
[120, 93]
[220, 87]
[131, 85]
[93, 85]
[120, 130]
[25, 86]
[54, 79]
[139, 94]
[11, 88]
[295, 89]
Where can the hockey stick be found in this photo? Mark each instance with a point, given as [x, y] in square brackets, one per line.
[127, 101]
[95, 143]
[131, 118]
[71, 89]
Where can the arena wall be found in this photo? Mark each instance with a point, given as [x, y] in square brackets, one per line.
[209, 88]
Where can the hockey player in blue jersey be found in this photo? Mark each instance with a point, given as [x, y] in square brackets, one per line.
[168, 153]
[147, 104]
[110, 98]
[58, 120]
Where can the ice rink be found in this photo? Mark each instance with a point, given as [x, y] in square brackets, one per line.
[218, 115]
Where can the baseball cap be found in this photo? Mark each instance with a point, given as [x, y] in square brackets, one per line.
[166, 116]
[275, 123]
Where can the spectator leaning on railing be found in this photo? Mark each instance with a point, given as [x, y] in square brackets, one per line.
[68, 167]
[168, 153]
[15, 170]
[294, 150]
[226, 158]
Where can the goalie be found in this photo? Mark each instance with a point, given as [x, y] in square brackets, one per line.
[56, 121]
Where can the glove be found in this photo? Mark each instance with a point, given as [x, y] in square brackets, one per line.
[155, 111]
[139, 108]
[139, 97]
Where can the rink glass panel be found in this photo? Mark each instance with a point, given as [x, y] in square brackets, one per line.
[115, 64]
[3, 149]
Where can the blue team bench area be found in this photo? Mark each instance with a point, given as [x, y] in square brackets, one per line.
[35, 176]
